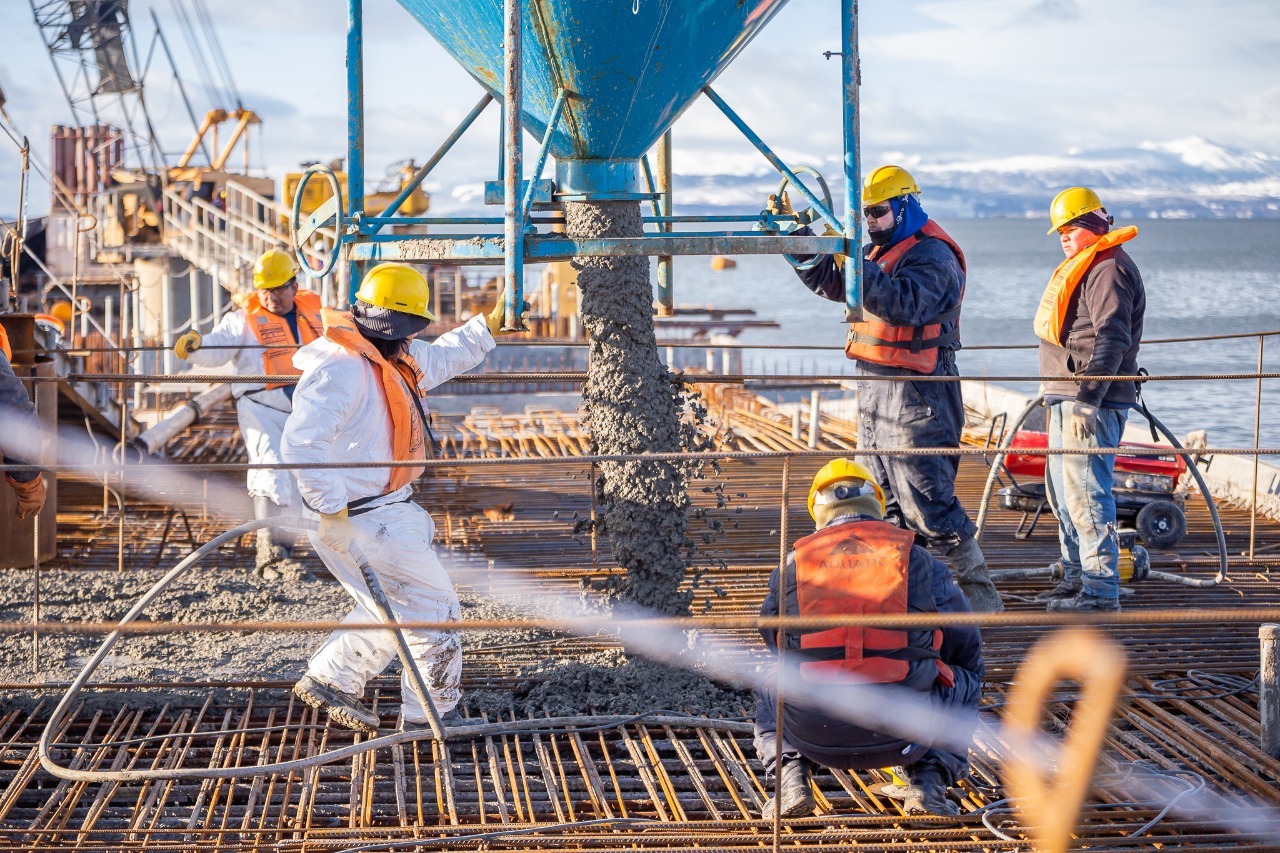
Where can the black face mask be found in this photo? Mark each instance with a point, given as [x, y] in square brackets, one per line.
[881, 238]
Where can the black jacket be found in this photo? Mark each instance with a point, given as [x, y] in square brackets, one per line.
[1100, 334]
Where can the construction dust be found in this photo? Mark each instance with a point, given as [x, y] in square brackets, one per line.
[631, 407]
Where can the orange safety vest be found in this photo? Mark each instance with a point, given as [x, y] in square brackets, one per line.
[911, 347]
[398, 380]
[1052, 313]
[860, 567]
[272, 330]
[4, 344]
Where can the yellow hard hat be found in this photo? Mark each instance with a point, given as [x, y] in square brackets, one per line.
[1070, 203]
[398, 287]
[842, 469]
[885, 183]
[62, 310]
[274, 269]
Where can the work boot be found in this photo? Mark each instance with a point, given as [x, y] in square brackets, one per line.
[969, 568]
[1069, 583]
[449, 719]
[797, 797]
[343, 708]
[1064, 589]
[1082, 602]
[926, 793]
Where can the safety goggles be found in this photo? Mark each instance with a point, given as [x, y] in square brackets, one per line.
[843, 491]
[877, 211]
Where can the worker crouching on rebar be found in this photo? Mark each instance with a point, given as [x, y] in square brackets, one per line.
[857, 563]
[360, 400]
[913, 285]
[16, 407]
[1089, 323]
[261, 337]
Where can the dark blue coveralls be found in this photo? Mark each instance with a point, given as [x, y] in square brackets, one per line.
[841, 744]
[919, 491]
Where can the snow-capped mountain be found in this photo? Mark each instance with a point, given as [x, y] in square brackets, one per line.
[1185, 178]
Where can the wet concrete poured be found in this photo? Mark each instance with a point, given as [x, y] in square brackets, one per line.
[692, 786]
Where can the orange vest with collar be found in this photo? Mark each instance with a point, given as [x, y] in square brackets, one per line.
[398, 379]
[1052, 313]
[272, 330]
[910, 347]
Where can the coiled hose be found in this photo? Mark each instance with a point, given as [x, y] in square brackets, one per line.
[1016, 574]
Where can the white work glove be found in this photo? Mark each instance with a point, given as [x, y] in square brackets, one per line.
[187, 344]
[1084, 422]
[336, 530]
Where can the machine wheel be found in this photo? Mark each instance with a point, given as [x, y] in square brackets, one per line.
[1161, 524]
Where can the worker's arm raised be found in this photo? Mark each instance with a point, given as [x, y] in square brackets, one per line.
[453, 352]
[207, 352]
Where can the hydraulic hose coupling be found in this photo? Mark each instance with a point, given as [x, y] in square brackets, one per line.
[1134, 565]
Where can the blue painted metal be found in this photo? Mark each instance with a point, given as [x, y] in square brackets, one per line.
[600, 180]
[487, 249]
[513, 151]
[495, 192]
[852, 157]
[355, 126]
[375, 225]
[823, 211]
[802, 219]
[526, 203]
[329, 211]
[631, 75]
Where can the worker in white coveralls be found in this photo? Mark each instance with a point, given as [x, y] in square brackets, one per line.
[274, 314]
[360, 400]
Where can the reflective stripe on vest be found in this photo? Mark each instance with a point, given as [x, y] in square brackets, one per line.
[1052, 313]
[273, 330]
[910, 347]
[396, 380]
[859, 568]
[4, 345]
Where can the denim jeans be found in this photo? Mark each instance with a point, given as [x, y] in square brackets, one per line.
[1079, 489]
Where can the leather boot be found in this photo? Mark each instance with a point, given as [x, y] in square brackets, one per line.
[797, 797]
[926, 792]
[969, 568]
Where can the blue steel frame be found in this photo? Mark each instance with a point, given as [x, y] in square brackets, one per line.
[366, 243]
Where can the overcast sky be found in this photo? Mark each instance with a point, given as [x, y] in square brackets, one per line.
[943, 81]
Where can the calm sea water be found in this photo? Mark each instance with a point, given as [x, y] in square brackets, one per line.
[1202, 278]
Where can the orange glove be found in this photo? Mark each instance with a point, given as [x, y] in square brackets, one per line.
[30, 495]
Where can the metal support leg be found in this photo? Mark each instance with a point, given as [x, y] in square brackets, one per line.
[666, 268]
[1269, 690]
[514, 166]
[849, 78]
[355, 124]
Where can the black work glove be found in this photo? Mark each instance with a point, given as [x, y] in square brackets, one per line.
[1084, 421]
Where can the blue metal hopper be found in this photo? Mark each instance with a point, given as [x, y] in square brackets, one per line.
[630, 74]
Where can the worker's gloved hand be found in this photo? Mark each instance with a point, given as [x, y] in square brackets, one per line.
[779, 205]
[31, 495]
[187, 344]
[499, 312]
[336, 530]
[1084, 421]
